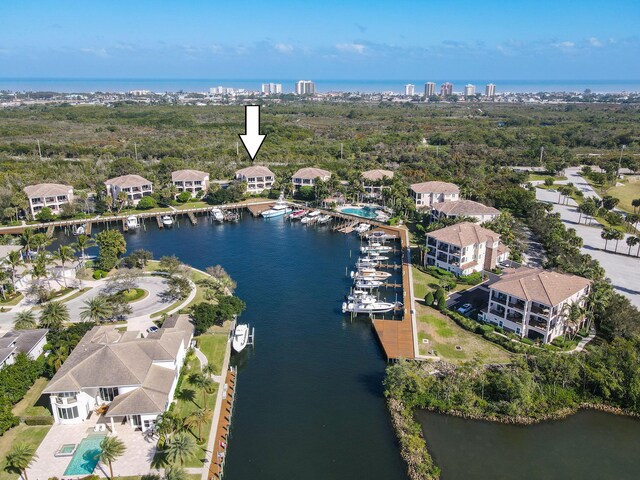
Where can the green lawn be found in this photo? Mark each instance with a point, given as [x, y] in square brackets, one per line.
[444, 335]
[20, 434]
[27, 406]
[423, 283]
[534, 177]
[134, 295]
[189, 205]
[75, 295]
[11, 301]
[626, 193]
[214, 347]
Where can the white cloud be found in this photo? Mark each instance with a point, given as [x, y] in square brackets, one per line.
[594, 42]
[565, 44]
[283, 47]
[351, 48]
[98, 52]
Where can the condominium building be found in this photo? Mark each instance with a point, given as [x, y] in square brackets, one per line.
[372, 181]
[271, 88]
[427, 193]
[535, 303]
[130, 379]
[469, 90]
[192, 181]
[307, 177]
[490, 90]
[429, 89]
[463, 208]
[446, 89]
[305, 87]
[463, 248]
[257, 178]
[409, 90]
[51, 195]
[134, 186]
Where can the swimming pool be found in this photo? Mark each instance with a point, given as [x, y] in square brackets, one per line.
[364, 212]
[85, 458]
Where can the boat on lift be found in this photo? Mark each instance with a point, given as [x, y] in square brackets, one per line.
[167, 221]
[297, 214]
[312, 217]
[217, 215]
[133, 222]
[323, 219]
[368, 306]
[363, 227]
[240, 337]
[363, 284]
[376, 247]
[280, 208]
[358, 294]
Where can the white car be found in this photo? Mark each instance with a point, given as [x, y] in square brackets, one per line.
[466, 308]
[152, 329]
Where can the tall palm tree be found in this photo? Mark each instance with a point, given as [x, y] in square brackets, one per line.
[82, 243]
[197, 418]
[4, 276]
[180, 448]
[632, 242]
[57, 357]
[20, 457]
[112, 449]
[175, 473]
[54, 315]
[39, 268]
[96, 309]
[27, 241]
[209, 369]
[607, 234]
[166, 425]
[25, 320]
[14, 260]
[203, 382]
[64, 255]
[617, 235]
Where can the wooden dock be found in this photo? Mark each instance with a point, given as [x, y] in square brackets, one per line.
[257, 209]
[192, 217]
[218, 458]
[159, 220]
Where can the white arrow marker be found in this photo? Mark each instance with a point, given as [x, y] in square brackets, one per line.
[252, 140]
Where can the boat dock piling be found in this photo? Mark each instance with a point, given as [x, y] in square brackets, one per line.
[192, 217]
[159, 220]
[50, 230]
[218, 458]
[125, 226]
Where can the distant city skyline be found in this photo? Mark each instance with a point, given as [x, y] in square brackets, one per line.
[350, 39]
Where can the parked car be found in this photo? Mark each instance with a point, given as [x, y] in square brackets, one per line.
[152, 329]
[466, 308]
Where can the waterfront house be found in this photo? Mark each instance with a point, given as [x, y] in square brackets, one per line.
[127, 378]
[463, 208]
[51, 195]
[427, 193]
[372, 181]
[535, 303]
[257, 178]
[463, 248]
[192, 181]
[134, 186]
[29, 342]
[307, 177]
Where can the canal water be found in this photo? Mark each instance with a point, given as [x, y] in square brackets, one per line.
[309, 395]
[590, 445]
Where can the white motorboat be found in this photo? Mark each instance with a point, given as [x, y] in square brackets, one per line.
[240, 337]
[363, 227]
[358, 295]
[231, 217]
[376, 247]
[217, 215]
[369, 274]
[324, 219]
[297, 214]
[367, 306]
[280, 208]
[368, 284]
[167, 221]
[79, 230]
[132, 222]
[367, 263]
[312, 217]
[379, 236]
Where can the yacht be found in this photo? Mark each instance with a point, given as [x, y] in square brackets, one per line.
[132, 222]
[240, 337]
[167, 221]
[298, 214]
[368, 273]
[324, 219]
[363, 227]
[280, 208]
[379, 236]
[368, 284]
[217, 215]
[367, 305]
[376, 247]
[358, 294]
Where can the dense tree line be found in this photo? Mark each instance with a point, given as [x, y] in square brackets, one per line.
[15, 381]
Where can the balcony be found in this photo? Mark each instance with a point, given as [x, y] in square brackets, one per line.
[540, 309]
[443, 246]
[496, 312]
[499, 298]
[443, 258]
[514, 317]
[518, 304]
[67, 400]
[146, 187]
[537, 322]
[432, 242]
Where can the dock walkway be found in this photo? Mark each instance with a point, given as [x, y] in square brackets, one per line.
[221, 438]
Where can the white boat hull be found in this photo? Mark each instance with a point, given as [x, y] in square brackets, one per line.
[240, 338]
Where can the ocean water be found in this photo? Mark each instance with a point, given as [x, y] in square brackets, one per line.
[160, 85]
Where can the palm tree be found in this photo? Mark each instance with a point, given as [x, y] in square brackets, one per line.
[198, 418]
[25, 320]
[632, 242]
[202, 382]
[175, 473]
[112, 448]
[96, 309]
[39, 268]
[64, 254]
[20, 457]
[607, 234]
[180, 448]
[209, 369]
[14, 260]
[82, 243]
[166, 425]
[617, 235]
[635, 203]
[27, 241]
[57, 357]
[54, 315]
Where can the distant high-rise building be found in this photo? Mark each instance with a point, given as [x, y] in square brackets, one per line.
[490, 90]
[409, 89]
[446, 89]
[305, 87]
[469, 90]
[429, 89]
[271, 88]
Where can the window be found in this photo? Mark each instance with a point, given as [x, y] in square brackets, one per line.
[67, 413]
[108, 393]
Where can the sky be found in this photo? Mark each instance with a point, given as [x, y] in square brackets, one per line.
[328, 39]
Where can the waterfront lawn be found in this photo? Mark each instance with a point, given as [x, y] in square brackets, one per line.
[189, 205]
[539, 177]
[444, 335]
[626, 193]
[214, 347]
[20, 434]
[423, 283]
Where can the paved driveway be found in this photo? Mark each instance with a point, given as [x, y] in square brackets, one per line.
[624, 271]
